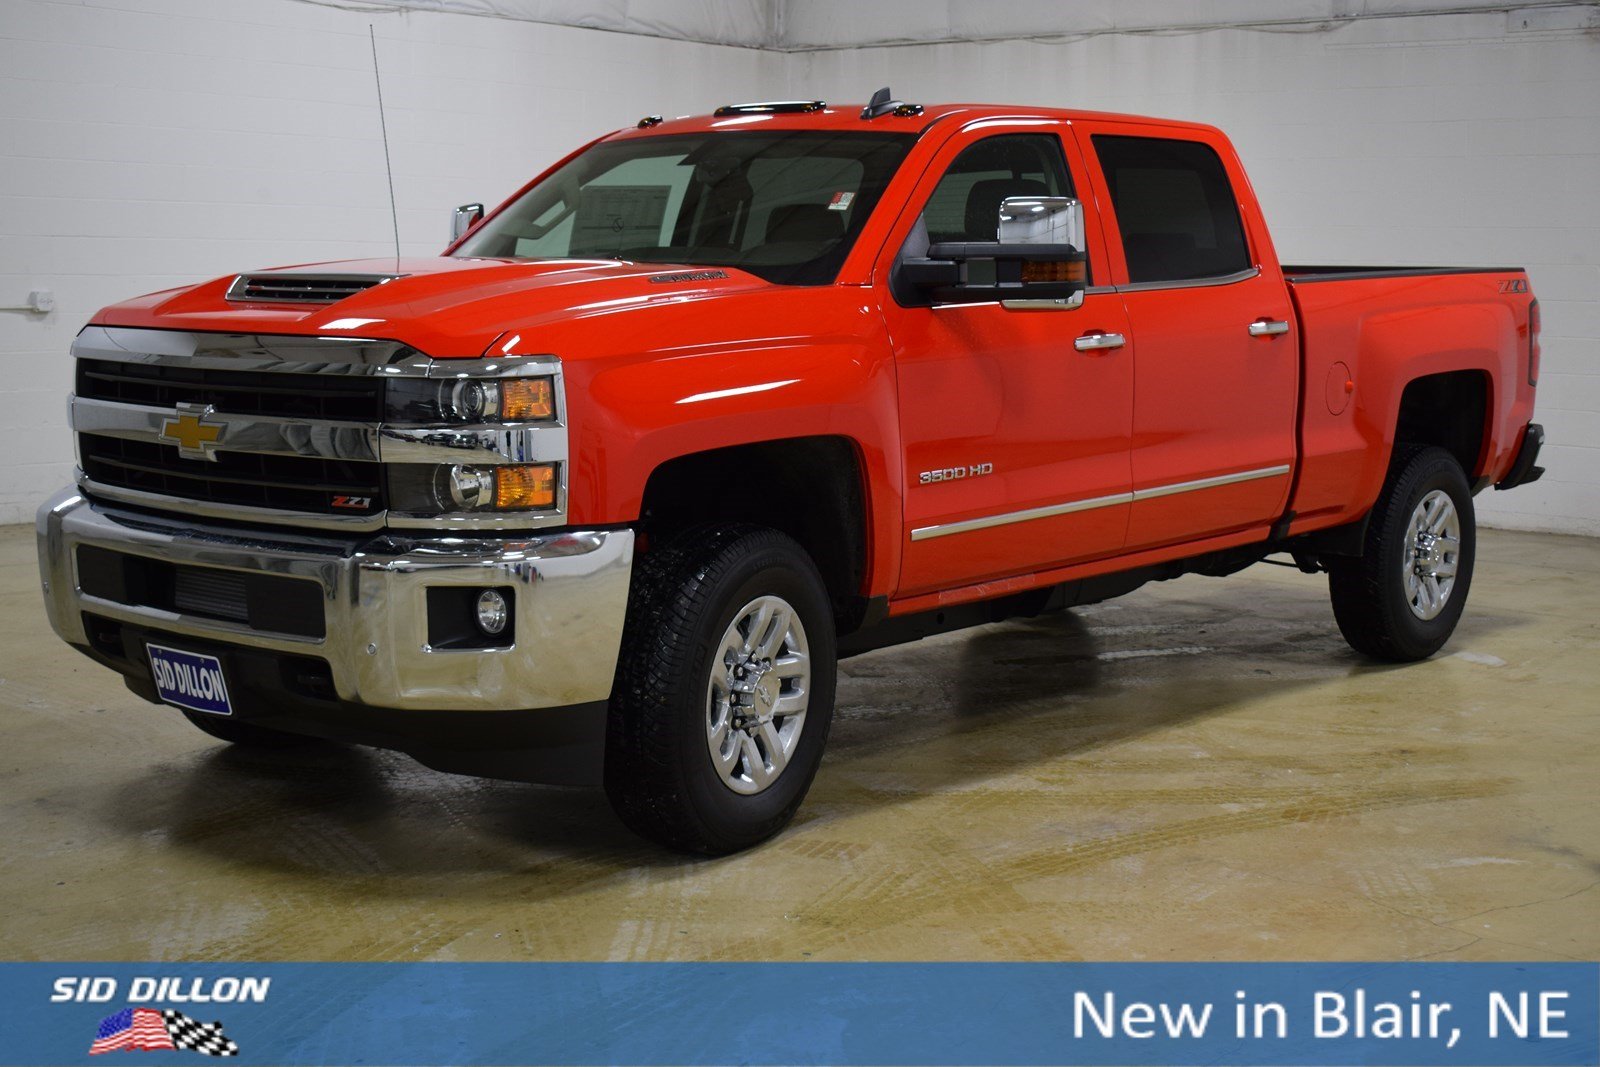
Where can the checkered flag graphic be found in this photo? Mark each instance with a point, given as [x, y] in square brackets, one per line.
[206, 1038]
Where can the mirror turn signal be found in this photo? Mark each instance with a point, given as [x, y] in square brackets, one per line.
[1068, 270]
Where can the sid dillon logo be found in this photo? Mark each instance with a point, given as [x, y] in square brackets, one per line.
[146, 1029]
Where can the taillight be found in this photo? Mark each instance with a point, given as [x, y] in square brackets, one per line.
[1533, 343]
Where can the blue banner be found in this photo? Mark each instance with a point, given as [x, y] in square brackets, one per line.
[882, 1014]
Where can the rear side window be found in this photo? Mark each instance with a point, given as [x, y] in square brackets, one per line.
[1175, 208]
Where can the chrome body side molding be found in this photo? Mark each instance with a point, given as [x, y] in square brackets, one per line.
[925, 533]
[1006, 518]
[1211, 483]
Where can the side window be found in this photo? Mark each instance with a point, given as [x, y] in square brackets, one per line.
[966, 204]
[1177, 213]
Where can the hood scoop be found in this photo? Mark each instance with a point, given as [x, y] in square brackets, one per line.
[288, 287]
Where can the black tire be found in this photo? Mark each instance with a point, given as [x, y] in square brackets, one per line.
[244, 734]
[1369, 595]
[658, 769]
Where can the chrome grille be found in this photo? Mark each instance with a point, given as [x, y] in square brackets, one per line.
[291, 430]
[293, 396]
[295, 288]
[246, 479]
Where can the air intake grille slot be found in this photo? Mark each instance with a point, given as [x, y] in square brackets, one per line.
[293, 288]
[335, 398]
[267, 602]
[219, 594]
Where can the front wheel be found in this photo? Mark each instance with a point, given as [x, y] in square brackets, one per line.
[1401, 600]
[724, 690]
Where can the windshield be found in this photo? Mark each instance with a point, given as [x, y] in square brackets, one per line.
[785, 205]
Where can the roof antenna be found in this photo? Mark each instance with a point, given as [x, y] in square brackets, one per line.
[383, 124]
[884, 103]
[878, 104]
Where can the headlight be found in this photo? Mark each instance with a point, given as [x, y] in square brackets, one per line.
[470, 400]
[471, 488]
[420, 489]
[474, 401]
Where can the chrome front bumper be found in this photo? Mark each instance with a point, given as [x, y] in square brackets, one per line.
[571, 595]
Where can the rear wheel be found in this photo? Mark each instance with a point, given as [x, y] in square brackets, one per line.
[1402, 598]
[244, 734]
[724, 690]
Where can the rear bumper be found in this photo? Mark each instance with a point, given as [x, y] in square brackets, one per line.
[372, 677]
[1523, 470]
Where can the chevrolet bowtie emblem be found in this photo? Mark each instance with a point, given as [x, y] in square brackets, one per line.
[195, 437]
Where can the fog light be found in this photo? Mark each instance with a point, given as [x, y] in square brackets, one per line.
[492, 613]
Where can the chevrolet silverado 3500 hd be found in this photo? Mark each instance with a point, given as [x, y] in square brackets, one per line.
[603, 492]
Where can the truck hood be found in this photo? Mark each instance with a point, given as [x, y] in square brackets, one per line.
[446, 307]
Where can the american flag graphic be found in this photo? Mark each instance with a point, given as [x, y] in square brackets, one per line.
[149, 1030]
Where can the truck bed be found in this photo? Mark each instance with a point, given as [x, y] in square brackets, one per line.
[1365, 339]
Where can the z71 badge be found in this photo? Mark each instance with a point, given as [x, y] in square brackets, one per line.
[953, 474]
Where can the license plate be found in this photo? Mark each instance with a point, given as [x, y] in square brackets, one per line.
[190, 680]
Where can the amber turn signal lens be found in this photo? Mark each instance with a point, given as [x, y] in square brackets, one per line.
[525, 488]
[1057, 271]
[527, 398]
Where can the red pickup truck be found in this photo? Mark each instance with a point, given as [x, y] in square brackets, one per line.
[603, 492]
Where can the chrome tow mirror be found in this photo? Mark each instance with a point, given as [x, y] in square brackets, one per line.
[1036, 261]
[1041, 220]
[463, 219]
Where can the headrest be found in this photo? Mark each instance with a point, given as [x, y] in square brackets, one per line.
[804, 222]
[984, 200]
[1161, 255]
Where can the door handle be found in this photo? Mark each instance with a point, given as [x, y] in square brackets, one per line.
[1268, 327]
[1098, 339]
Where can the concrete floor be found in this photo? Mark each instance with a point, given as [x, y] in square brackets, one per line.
[1201, 770]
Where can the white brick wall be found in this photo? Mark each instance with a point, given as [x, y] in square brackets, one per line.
[148, 143]
[1446, 139]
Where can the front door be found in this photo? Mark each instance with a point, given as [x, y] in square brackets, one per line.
[1016, 441]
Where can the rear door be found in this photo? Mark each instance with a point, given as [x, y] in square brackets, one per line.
[1216, 369]
[1016, 442]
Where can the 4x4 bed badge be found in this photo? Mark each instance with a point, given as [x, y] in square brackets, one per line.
[195, 437]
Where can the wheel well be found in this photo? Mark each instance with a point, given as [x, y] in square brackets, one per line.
[808, 487]
[1448, 410]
